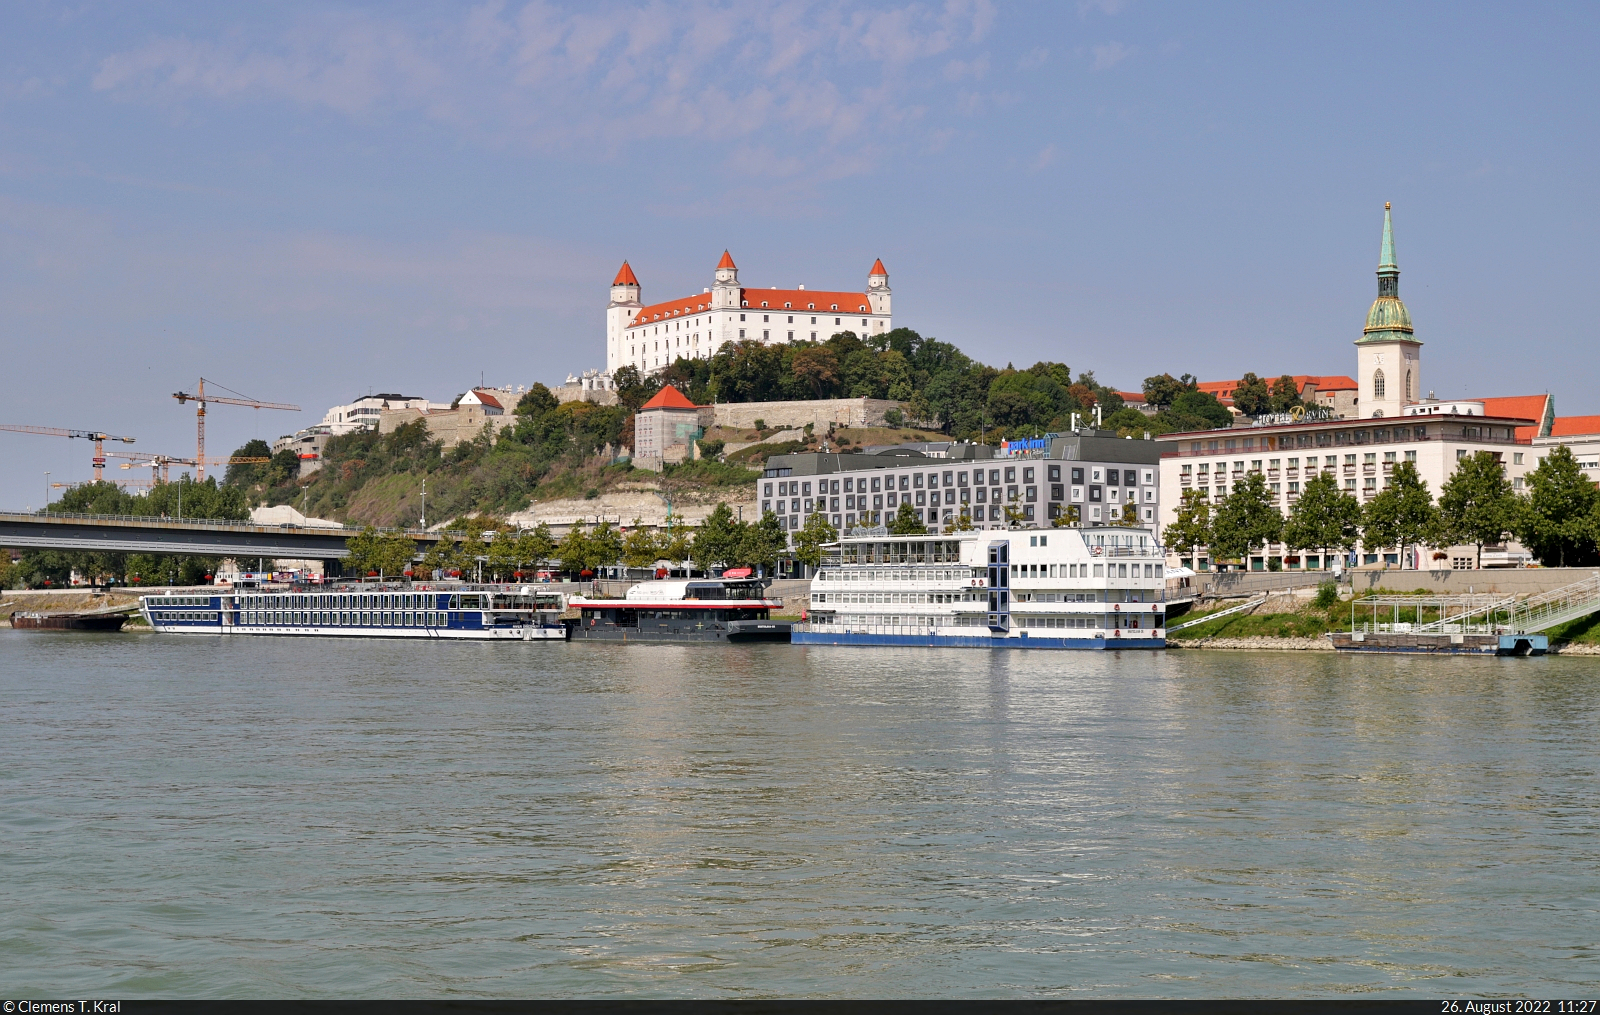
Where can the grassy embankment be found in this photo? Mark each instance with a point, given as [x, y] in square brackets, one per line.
[1307, 622]
[1311, 621]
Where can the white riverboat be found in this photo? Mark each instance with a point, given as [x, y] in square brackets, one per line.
[1095, 588]
[439, 612]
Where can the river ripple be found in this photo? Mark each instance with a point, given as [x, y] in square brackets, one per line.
[279, 817]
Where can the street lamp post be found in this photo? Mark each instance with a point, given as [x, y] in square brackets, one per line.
[47, 495]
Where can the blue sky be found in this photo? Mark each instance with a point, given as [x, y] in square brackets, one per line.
[308, 202]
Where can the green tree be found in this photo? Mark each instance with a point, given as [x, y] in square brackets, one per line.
[1285, 394]
[1556, 521]
[1163, 389]
[762, 544]
[1476, 505]
[1070, 516]
[1130, 514]
[373, 552]
[906, 523]
[605, 545]
[1402, 514]
[439, 557]
[535, 545]
[1324, 518]
[816, 534]
[963, 522]
[641, 548]
[1191, 528]
[504, 560]
[1203, 407]
[248, 474]
[677, 544]
[716, 540]
[574, 550]
[1245, 520]
[1252, 396]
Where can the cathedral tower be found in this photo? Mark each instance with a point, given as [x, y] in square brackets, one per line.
[1388, 356]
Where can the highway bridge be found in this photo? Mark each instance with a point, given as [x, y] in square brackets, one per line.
[198, 536]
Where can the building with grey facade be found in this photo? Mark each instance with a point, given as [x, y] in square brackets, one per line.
[1091, 475]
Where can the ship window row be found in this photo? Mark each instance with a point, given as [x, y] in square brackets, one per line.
[167, 601]
[929, 598]
[334, 600]
[332, 618]
[876, 622]
[1062, 622]
[924, 574]
[174, 616]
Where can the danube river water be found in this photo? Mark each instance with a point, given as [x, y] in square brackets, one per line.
[278, 817]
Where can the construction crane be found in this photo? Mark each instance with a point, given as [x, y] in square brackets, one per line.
[138, 459]
[88, 435]
[201, 398]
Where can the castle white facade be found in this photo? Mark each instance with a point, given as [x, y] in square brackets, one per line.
[651, 337]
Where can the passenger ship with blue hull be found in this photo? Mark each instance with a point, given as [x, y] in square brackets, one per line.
[464, 613]
[1099, 588]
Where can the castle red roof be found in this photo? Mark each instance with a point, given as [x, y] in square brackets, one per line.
[813, 301]
[1323, 383]
[669, 398]
[1575, 426]
[878, 268]
[625, 276]
[1531, 407]
[727, 261]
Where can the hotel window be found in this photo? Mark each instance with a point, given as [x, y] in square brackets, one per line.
[1516, 458]
[1388, 457]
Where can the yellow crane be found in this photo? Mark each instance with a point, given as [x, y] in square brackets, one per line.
[97, 436]
[139, 459]
[201, 398]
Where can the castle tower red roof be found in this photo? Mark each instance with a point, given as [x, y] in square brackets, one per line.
[878, 268]
[727, 262]
[669, 398]
[625, 276]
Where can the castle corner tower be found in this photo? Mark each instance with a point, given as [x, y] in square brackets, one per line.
[625, 290]
[1388, 355]
[878, 287]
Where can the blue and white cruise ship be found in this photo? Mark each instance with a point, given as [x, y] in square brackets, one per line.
[454, 613]
[1096, 588]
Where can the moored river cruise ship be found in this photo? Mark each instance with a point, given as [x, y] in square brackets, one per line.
[455, 613]
[1096, 588]
[733, 607]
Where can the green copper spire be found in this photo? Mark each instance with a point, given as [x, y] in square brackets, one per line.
[1386, 259]
[1388, 320]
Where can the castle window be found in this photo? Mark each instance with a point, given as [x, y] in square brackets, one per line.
[836, 307]
[1377, 384]
[763, 302]
[1409, 396]
[765, 318]
[744, 303]
[786, 306]
[791, 316]
[811, 306]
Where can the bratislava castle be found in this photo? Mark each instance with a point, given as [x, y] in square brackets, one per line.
[651, 337]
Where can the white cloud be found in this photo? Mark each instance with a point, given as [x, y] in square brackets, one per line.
[1109, 54]
[550, 76]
